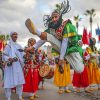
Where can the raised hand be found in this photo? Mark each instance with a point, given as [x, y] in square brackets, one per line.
[10, 59]
[28, 49]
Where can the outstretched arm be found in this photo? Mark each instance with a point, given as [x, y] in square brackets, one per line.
[39, 44]
[35, 46]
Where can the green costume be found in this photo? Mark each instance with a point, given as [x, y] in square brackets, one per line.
[69, 31]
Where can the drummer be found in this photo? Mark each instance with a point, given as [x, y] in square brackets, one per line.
[43, 60]
[31, 72]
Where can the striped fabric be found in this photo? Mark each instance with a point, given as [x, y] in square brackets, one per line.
[75, 61]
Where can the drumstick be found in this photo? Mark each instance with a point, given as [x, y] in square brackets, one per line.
[29, 24]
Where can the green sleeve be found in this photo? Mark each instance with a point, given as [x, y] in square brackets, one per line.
[69, 30]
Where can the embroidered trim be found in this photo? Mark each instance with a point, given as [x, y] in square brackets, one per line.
[59, 31]
[69, 35]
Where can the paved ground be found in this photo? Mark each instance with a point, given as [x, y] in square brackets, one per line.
[50, 93]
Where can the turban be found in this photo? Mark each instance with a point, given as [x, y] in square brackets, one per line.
[11, 33]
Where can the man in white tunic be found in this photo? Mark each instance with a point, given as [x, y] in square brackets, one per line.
[13, 74]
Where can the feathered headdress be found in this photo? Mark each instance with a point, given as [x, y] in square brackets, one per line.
[61, 9]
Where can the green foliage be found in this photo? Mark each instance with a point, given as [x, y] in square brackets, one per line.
[4, 37]
[7, 37]
[90, 12]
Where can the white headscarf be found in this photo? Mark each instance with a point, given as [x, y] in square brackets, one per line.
[11, 33]
[14, 50]
[12, 45]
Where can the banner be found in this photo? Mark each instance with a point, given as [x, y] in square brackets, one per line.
[2, 45]
[99, 38]
[98, 31]
[85, 37]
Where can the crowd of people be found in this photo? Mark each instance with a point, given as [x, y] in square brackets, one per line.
[22, 66]
[21, 69]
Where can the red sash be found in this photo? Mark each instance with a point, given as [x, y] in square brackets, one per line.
[59, 31]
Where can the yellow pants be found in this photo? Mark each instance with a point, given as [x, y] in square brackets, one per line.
[93, 73]
[62, 79]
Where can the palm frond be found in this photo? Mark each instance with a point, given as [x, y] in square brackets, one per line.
[76, 17]
[94, 14]
[85, 14]
[88, 11]
[92, 10]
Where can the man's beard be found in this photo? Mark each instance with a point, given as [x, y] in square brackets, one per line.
[55, 25]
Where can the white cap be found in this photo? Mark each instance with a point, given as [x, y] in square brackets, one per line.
[11, 33]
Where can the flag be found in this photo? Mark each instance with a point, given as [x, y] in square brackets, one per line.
[90, 35]
[99, 38]
[2, 45]
[85, 37]
[98, 31]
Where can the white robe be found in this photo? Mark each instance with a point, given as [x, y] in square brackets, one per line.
[74, 58]
[13, 75]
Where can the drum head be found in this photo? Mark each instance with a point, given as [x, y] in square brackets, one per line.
[44, 70]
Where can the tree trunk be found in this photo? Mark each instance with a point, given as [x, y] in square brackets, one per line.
[91, 24]
[77, 26]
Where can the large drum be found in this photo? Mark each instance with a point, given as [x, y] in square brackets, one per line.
[46, 71]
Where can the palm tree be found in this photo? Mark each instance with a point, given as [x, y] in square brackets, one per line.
[77, 19]
[7, 37]
[90, 13]
[2, 37]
